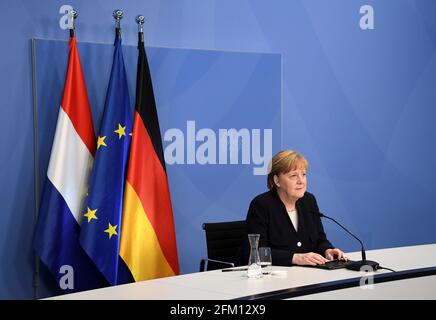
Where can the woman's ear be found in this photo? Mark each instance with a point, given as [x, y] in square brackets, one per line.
[276, 180]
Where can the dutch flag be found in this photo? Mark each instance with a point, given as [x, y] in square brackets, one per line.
[56, 238]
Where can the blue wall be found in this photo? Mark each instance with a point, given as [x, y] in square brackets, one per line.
[360, 104]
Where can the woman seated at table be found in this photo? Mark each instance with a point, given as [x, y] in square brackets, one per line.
[286, 216]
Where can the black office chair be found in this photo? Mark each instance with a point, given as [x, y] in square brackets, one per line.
[224, 241]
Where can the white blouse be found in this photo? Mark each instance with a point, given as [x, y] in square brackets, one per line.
[294, 218]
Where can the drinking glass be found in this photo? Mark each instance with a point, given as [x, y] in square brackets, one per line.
[265, 258]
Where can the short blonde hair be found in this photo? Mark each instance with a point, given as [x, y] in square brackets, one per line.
[283, 162]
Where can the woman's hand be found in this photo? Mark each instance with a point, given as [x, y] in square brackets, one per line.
[335, 253]
[310, 259]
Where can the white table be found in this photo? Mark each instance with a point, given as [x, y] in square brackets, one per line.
[217, 285]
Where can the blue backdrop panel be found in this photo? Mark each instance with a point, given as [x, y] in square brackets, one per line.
[198, 93]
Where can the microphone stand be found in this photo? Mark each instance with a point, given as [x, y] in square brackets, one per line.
[356, 265]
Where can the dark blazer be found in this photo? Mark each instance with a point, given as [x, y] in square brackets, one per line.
[267, 216]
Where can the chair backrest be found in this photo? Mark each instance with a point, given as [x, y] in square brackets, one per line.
[224, 242]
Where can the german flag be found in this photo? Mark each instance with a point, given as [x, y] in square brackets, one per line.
[148, 242]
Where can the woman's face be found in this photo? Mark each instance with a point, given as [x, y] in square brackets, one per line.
[292, 184]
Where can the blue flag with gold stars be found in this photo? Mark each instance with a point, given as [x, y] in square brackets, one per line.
[101, 213]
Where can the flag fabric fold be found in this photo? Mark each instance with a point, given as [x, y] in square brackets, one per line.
[56, 237]
[101, 225]
[148, 242]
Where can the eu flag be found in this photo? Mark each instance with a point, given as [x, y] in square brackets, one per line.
[101, 214]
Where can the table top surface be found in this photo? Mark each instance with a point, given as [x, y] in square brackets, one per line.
[218, 285]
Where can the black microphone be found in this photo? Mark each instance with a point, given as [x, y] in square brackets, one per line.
[355, 265]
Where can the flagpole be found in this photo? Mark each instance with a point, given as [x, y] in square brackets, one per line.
[140, 19]
[36, 168]
[73, 17]
[118, 15]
